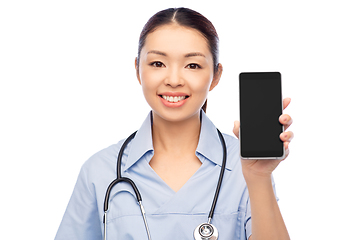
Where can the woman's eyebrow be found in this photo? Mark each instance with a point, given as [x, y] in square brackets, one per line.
[157, 52]
[194, 54]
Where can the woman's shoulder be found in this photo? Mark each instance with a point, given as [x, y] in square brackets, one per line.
[104, 160]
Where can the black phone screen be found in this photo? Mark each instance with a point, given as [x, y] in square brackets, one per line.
[260, 109]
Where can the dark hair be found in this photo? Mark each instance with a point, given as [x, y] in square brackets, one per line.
[187, 18]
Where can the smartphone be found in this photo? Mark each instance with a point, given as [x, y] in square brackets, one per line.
[260, 109]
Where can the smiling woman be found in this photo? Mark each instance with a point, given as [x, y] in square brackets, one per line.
[186, 18]
[182, 165]
[166, 72]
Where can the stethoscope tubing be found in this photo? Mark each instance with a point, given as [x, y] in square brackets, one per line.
[119, 178]
[221, 176]
[121, 152]
[137, 192]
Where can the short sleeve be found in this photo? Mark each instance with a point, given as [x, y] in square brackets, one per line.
[81, 220]
[248, 220]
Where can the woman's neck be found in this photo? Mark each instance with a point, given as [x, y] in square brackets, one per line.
[176, 138]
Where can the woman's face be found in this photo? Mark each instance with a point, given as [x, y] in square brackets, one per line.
[176, 72]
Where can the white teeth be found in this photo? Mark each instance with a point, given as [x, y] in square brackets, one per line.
[173, 99]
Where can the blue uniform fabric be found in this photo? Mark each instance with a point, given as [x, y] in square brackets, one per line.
[170, 215]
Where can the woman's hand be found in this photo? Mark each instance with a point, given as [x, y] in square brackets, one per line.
[264, 168]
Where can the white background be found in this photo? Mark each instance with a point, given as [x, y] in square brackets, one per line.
[68, 89]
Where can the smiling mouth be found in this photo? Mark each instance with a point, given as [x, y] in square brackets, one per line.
[174, 99]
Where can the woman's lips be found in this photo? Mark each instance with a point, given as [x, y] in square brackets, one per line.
[172, 99]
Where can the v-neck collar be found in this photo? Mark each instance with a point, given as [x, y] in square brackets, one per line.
[209, 144]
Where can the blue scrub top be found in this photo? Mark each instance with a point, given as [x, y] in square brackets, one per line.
[170, 215]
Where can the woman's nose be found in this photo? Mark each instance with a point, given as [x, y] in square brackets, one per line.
[174, 78]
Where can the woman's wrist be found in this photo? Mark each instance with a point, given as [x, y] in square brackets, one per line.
[254, 178]
[258, 170]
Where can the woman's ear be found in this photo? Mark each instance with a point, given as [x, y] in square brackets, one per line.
[217, 76]
[137, 70]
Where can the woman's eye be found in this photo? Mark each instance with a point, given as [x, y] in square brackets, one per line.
[157, 64]
[193, 66]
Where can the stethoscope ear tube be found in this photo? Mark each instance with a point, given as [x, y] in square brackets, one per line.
[116, 181]
[138, 198]
[123, 179]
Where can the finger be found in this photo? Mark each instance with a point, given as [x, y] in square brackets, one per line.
[287, 151]
[286, 136]
[236, 128]
[285, 120]
[286, 102]
[286, 145]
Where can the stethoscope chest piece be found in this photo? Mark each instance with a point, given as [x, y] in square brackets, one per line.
[206, 231]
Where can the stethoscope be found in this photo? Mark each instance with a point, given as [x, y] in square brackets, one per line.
[205, 231]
